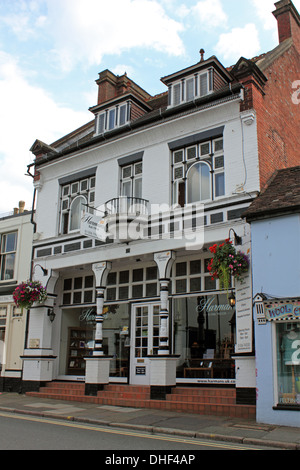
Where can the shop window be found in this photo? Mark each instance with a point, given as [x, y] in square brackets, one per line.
[288, 363]
[204, 337]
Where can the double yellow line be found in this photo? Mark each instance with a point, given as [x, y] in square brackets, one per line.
[95, 428]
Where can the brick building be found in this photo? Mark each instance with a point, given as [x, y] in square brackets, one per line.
[160, 180]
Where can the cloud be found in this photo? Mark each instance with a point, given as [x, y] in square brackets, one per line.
[84, 31]
[239, 42]
[210, 13]
[27, 113]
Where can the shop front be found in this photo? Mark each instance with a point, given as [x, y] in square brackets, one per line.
[278, 359]
[202, 332]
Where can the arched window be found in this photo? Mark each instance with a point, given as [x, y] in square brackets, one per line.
[198, 183]
[76, 212]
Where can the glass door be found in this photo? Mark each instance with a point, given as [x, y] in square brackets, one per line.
[145, 341]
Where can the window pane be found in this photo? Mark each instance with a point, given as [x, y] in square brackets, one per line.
[203, 84]
[126, 189]
[181, 269]
[219, 184]
[101, 123]
[67, 284]
[75, 213]
[88, 281]
[151, 289]
[78, 283]
[88, 296]
[124, 277]
[111, 122]
[138, 188]
[195, 266]
[180, 286]
[122, 115]
[176, 94]
[123, 292]
[77, 297]
[137, 275]
[112, 279]
[195, 284]
[199, 183]
[11, 239]
[190, 89]
[137, 291]
[8, 263]
[151, 273]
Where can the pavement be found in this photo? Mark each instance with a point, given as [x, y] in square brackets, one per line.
[234, 430]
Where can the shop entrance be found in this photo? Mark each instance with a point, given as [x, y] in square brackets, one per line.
[145, 341]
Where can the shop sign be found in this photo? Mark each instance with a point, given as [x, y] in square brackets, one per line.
[210, 306]
[283, 309]
[88, 315]
[93, 227]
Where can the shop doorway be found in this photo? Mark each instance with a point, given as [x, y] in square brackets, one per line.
[145, 341]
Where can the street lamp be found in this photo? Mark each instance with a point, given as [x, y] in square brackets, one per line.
[51, 314]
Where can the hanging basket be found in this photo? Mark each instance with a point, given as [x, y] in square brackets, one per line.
[227, 262]
[27, 293]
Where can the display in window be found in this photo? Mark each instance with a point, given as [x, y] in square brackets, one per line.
[288, 363]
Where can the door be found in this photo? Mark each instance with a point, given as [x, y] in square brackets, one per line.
[145, 341]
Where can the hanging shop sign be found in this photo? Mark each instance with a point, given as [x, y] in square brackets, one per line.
[282, 309]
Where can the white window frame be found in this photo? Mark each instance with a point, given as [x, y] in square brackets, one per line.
[86, 189]
[204, 152]
[182, 88]
[103, 119]
[4, 254]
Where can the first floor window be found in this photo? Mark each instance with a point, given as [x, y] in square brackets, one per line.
[198, 172]
[76, 209]
[199, 183]
[8, 247]
[76, 197]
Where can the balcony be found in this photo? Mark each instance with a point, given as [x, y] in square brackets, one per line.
[126, 217]
[127, 207]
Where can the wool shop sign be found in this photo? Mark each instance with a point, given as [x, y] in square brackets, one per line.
[280, 310]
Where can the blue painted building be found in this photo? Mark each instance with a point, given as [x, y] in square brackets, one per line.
[275, 230]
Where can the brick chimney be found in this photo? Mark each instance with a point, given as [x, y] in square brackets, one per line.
[288, 20]
[111, 86]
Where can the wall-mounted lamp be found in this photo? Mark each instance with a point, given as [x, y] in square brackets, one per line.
[45, 271]
[231, 299]
[237, 239]
[51, 314]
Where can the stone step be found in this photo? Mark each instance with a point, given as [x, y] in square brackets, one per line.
[218, 402]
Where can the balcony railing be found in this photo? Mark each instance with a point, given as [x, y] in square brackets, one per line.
[127, 207]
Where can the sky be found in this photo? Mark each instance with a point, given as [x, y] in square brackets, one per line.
[51, 52]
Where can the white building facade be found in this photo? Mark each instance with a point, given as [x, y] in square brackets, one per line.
[16, 232]
[126, 210]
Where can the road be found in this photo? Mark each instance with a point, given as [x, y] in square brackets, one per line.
[22, 432]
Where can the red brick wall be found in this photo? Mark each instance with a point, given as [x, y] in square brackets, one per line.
[278, 117]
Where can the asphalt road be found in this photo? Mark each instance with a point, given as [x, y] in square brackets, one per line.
[20, 432]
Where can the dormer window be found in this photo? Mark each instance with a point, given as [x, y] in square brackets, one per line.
[112, 118]
[191, 87]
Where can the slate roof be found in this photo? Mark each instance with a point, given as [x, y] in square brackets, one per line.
[281, 196]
